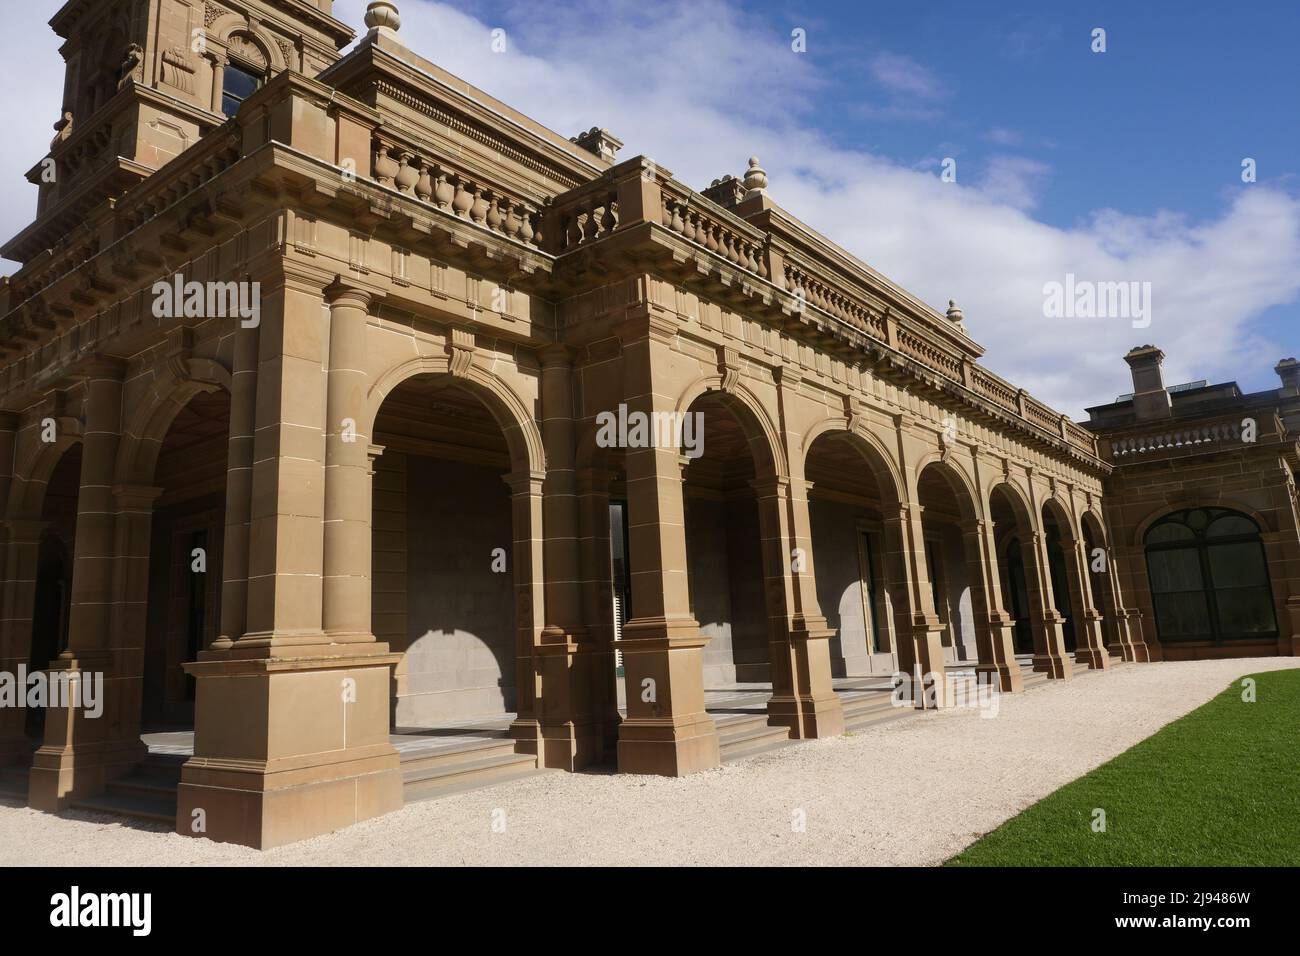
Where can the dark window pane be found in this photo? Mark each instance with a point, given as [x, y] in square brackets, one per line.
[1178, 570]
[1169, 533]
[1246, 611]
[1183, 617]
[1231, 525]
[1238, 565]
[240, 83]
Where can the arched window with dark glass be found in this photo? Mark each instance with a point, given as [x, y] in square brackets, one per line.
[1209, 577]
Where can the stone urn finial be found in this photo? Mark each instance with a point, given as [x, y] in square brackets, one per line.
[383, 15]
[954, 313]
[755, 179]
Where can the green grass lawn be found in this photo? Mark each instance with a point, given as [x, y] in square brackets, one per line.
[1220, 787]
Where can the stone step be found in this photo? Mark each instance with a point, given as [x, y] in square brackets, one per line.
[748, 740]
[480, 749]
[162, 767]
[130, 805]
[440, 781]
[142, 784]
[870, 703]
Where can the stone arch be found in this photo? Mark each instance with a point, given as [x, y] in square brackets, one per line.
[761, 434]
[1061, 513]
[522, 435]
[32, 474]
[228, 28]
[889, 477]
[1018, 498]
[1091, 521]
[147, 423]
[1198, 501]
[961, 483]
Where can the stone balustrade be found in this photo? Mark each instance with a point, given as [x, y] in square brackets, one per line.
[431, 181]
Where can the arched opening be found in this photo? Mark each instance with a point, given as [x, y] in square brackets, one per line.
[185, 551]
[945, 505]
[724, 550]
[1060, 574]
[847, 496]
[1209, 578]
[52, 597]
[1011, 530]
[443, 559]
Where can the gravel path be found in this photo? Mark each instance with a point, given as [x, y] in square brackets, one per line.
[911, 792]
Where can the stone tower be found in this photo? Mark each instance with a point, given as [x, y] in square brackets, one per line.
[144, 81]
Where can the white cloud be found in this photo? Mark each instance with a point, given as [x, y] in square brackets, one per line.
[1013, 180]
[899, 73]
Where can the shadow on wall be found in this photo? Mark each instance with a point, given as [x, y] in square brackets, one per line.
[459, 593]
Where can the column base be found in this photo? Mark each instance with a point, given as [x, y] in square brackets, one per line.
[1056, 668]
[568, 736]
[668, 748]
[262, 804]
[60, 775]
[1006, 677]
[1093, 658]
[808, 718]
[288, 747]
[667, 730]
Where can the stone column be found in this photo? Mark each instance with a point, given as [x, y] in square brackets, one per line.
[667, 730]
[803, 696]
[571, 737]
[291, 722]
[1090, 645]
[994, 629]
[527, 563]
[345, 597]
[1129, 570]
[218, 80]
[919, 631]
[1050, 655]
[81, 754]
[239, 488]
[20, 546]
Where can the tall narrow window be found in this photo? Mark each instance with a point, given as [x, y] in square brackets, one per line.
[238, 85]
[1209, 577]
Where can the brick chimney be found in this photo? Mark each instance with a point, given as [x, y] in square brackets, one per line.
[1288, 370]
[1150, 400]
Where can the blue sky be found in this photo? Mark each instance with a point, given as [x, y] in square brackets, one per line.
[1118, 166]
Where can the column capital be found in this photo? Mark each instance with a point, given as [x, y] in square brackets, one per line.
[771, 485]
[137, 498]
[525, 482]
[555, 356]
[344, 292]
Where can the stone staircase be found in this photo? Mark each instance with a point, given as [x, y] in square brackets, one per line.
[432, 773]
[749, 736]
[147, 793]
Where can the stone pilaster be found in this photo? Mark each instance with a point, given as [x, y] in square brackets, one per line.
[1090, 643]
[667, 730]
[994, 629]
[803, 696]
[570, 731]
[106, 627]
[20, 544]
